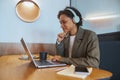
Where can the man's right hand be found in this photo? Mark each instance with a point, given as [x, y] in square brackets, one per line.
[61, 36]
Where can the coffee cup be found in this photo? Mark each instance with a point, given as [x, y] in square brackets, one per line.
[43, 56]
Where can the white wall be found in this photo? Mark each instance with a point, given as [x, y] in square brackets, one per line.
[108, 10]
[43, 30]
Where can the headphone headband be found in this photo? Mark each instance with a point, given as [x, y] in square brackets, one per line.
[76, 17]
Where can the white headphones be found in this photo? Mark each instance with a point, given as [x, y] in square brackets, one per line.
[75, 18]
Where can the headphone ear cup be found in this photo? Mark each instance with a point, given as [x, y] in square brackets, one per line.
[76, 19]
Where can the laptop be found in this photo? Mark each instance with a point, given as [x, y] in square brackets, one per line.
[37, 62]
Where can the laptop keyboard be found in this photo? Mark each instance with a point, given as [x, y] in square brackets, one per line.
[43, 63]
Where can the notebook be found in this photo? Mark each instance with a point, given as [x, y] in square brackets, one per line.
[70, 71]
[38, 63]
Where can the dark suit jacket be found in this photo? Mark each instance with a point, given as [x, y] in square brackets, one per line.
[85, 50]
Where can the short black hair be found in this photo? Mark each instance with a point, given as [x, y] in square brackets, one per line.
[71, 15]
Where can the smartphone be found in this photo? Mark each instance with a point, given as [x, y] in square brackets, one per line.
[81, 70]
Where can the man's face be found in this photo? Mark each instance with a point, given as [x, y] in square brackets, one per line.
[66, 23]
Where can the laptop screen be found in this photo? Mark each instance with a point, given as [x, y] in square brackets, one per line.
[26, 49]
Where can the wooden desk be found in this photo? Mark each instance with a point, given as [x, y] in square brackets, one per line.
[11, 68]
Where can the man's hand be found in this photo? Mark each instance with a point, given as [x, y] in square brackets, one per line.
[56, 58]
[61, 36]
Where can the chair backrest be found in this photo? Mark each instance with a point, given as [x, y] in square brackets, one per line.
[110, 54]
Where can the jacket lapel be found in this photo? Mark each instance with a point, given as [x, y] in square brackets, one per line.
[66, 42]
[78, 40]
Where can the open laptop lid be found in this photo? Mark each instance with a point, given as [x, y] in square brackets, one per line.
[32, 59]
[30, 56]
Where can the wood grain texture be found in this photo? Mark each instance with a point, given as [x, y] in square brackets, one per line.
[16, 48]
[12, 68]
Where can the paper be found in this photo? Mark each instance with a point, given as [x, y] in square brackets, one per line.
[70, 72]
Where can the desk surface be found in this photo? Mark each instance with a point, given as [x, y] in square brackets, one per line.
[11, 68]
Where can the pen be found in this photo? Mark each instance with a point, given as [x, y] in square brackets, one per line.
[66, 34]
